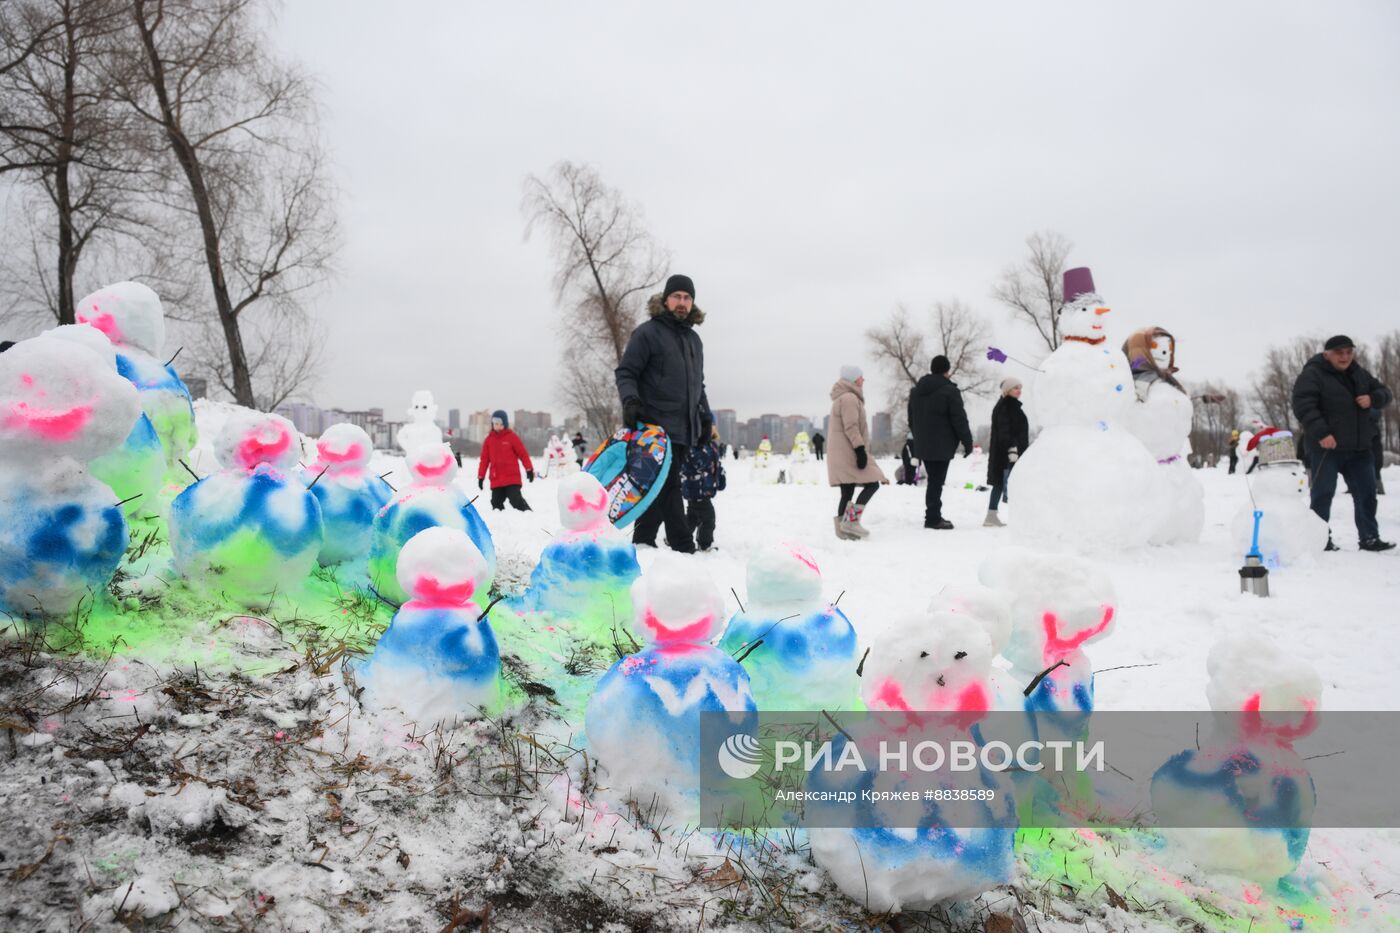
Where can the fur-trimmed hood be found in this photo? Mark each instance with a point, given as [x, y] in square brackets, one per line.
[656, 306]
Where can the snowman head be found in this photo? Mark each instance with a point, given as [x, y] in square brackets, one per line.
[784, 575]
[583, 503]
[1081, 318]
[1152, 349]
[422, 410]
[129, 313]
[1277, 695]
[250, 439]
[938, 661]
[983, 605]
[431, 465]
[673, 602]
[60, 396]
[1059, 604]
[343, 448]
[441, 569]
[85, 335]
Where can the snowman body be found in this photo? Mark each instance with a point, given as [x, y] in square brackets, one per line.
[438, 661]
[349, 494]
[800, 651]
[433, 500]
[1161, 419]
[1291, 534]
[251, 530]
[559, 458]
[643, 720]
[62, 533]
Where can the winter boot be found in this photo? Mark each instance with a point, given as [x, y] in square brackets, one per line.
[840, 524]
[1376, 544]
[853, 514]
[993, 520]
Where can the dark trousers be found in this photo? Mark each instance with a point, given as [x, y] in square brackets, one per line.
[821, 453]
[500, 495]
[1358, 467]
[668, 507]
[999, 490]
[700, 519]
[910, 477]
[933, 496]
[849, 489]
[1234, 460]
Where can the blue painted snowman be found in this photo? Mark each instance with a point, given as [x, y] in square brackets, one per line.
[62, 534]
[585, 574]
[350, 495]
[1243, 802]
[433, 500]
[437, 662]
[806, 651]
[643, 720]
[251, 530]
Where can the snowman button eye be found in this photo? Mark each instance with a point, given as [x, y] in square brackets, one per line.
[923, 654]
[960, 655]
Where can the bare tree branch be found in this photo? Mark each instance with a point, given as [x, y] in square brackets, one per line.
[1033, 289]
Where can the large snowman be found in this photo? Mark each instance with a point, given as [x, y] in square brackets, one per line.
[421, 429]
[131, 316]
[61, 532]
[1085, 482]
[1161, 419]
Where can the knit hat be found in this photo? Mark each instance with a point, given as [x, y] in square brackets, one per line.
[851, 373]
[941, 365]
[498, 413]
[678, 283]
[1339, 342]
[1009, 383]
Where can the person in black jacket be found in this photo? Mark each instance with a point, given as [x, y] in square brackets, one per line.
[939, 423]
[819, 445]
[1333, 398]
[661, 381]
[909, 476]
[1011, 434]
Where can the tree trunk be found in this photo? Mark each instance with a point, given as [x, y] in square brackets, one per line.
[63, 200]
[188, 158]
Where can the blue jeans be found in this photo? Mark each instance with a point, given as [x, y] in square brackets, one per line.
[999, 491]
[1359, 468]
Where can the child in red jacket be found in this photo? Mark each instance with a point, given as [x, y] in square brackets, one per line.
[499, 453]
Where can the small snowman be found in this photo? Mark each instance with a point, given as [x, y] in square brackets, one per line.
[585, 574]
[802, 465]
[432, 500]
[1161, 420]
[643, 720]
[925, 680]
[437, 662]
[800, 650]
[251, 530]
[1085, 482]
[131, 316]
[62, 533]
[559, 459]
[992, 611]
[421, 429]
[136, 469]
[1290, 532]
[1246, 790]
[763, 470]
[350, 495]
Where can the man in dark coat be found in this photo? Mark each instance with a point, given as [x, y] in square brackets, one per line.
[1333, 398]
[661, 381]
[819, 445]
[939, 423]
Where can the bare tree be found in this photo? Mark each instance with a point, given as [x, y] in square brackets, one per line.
[1034, 287]
[284, 354]
[68, 137]
[1215, 413]
[901, 351]
[961, 336]
[1272, 386]
[607, 263]
[1387, 370]
[241, 129]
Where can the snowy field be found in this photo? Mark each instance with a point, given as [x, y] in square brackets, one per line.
[172, 763]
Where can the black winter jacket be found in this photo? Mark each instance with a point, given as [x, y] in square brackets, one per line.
[1009, 429]
[937, 418]
[1324, 400]
[664, 368]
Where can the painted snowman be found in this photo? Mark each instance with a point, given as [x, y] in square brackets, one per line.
[926, 679]
[437, 662]
[136, 469]
[1161, 419]
[559, 458]
[800, 651]
[1085, 482]
[421, 429]
[62, 533]
[992, 611]
[252, 530]
[1245, 790]
[349, 494]
[131, 316]
[643, 720]
[432, 500]
[763, 470]
[585, 574]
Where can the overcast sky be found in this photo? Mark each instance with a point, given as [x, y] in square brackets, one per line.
[1228, 171]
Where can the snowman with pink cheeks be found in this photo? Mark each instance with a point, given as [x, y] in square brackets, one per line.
[251, 530]
[350, 495]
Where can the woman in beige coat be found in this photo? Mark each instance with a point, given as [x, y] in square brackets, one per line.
[848, 461]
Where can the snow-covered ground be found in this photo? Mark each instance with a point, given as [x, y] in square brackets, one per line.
[216, 770]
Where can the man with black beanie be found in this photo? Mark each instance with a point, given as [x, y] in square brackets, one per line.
[1333, 398]
[939, 423]
[661, 381]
